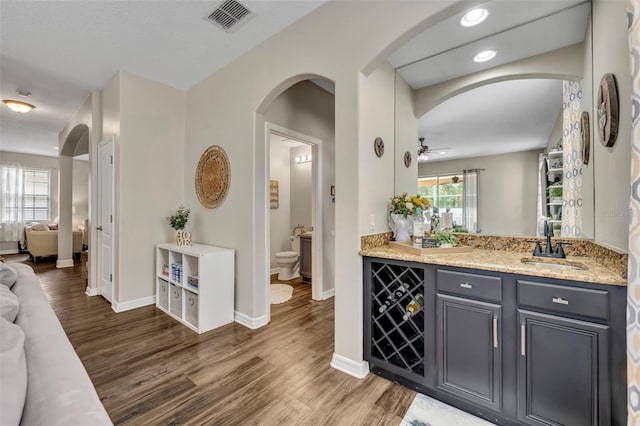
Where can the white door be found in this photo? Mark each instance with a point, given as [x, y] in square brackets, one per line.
[105, 219]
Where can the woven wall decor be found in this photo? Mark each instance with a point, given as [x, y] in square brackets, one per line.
[212, 177]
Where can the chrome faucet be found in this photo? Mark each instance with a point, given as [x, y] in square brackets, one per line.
[548, 250]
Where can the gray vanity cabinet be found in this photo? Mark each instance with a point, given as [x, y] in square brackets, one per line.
[306, 251]
[563, 371]
[468, 348]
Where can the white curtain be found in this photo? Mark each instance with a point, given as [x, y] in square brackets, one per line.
[11, 202]
[470, 200]
[572, 160]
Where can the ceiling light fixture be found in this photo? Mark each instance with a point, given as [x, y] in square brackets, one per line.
[442, 153]
[474, 17]
[18, 106]
[56, 148]
[485, 56]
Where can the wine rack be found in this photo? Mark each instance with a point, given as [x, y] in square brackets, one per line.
[397, 335]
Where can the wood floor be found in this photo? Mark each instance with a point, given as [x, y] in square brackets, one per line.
[150, 370]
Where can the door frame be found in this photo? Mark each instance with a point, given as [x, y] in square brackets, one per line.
[108, 140]
[317, 262]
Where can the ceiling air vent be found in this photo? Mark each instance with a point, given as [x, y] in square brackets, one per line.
[228, 14]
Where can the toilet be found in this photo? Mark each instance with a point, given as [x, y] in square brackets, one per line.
[288, 261]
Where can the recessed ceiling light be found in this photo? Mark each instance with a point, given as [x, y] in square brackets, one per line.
[474, 17]
[442, 153]
[18, 106]
[55, 147]
[485, 56]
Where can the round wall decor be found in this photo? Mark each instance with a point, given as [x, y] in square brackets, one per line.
[212, 177]
[586, 137]
[378, 146]
[608, 108]
[407, 159]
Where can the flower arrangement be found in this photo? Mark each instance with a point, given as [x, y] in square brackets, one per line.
[179, 220]
[406, 204]
[446, 238]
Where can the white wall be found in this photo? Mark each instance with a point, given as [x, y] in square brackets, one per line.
[80, 192]
[376, 175]
[301, 188]
[280, 218]
[612, 166]
[508, 190]
[151, 178]
[310, 110]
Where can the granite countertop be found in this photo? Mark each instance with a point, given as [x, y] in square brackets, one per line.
[503, 261]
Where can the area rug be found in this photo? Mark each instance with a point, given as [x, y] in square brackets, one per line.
[280, 293]
[425, 411]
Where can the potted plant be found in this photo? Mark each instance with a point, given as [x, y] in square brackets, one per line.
[401, 207]
[446, 239]
[555, 195]
[178, 222]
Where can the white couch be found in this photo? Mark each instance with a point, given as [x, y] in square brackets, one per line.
[42, 243]
[59, 390]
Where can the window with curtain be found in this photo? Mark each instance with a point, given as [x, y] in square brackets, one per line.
[457, 192]
[444, 191]
[24, 196]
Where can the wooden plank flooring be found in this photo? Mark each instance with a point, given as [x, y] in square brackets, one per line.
[150, 370]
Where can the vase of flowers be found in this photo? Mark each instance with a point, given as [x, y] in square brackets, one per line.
[402, 208]
[178, 222]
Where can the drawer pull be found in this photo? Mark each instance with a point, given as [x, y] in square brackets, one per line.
[495, 332]
[466, 285]
[560, 301]
[523, 345]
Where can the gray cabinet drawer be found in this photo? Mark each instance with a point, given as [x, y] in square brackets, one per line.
[570, 300]
[175, 300]
[191, 308]
[470, 285]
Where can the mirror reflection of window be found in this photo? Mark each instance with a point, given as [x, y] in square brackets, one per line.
[445, 191]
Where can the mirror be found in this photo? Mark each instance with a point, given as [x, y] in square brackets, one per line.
[499, 142]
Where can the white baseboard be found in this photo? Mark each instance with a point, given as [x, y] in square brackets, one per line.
[349, 366]
[274, 271]
[133, 304]
[10, 251]
[250, 322]
[64, 263]
[91, 291]
[327, 294]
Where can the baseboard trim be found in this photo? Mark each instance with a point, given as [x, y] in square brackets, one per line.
[133, 304]
[10, 251]
[248, 321]
[91, 291]
[64, 263]
[327, 294]
[349, 366]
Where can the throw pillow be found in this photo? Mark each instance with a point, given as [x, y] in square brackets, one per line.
[8, 275]
[39, 227]
[13, 373]
[53, 226]
[9, 304]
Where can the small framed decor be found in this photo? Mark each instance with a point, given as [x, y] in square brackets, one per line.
[407, 159]
[273, 194]
[378, 146]
[212, 177]
[608, 110]
[586, 137]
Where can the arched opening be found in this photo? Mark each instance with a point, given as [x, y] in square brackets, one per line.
[73, 211]
[299, 110]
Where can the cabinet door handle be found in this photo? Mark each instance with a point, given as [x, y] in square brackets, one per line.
[466, 285]
[560, 301]
[495, 332]
[523, 344]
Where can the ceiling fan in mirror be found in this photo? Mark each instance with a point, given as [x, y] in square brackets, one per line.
[424, 151]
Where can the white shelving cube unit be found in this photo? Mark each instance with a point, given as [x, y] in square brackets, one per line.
[203, 303]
